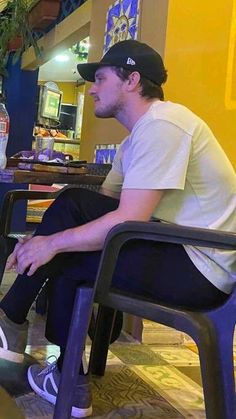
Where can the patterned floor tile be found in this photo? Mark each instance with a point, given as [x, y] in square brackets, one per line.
[112, 359]
[194, 373]
[137, 355]
[34, 407]
[122, 394]
[175, 387]
[42, 353]
[177, 355]
[192, 346]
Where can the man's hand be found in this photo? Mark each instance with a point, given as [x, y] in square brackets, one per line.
[31, 253]
[12, 260]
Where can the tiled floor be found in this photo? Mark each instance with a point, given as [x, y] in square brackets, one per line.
[141, 381]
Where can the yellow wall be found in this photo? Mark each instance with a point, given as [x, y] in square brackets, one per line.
[70, 91]
[200, 48]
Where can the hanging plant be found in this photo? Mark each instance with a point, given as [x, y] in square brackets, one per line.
[43, 13]
[14, 23]
[15, 43]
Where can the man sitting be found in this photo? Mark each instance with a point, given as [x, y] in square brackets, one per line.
[170, 167]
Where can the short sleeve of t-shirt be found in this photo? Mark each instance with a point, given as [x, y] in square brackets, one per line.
[157, 157]
[114, 179]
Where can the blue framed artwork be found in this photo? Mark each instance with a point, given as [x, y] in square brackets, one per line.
[105, 153]
[121, 22]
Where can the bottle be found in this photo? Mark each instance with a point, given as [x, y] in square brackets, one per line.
[4, 133]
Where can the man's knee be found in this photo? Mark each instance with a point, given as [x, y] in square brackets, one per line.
[66, 211]
[74, 194]
[65, 198]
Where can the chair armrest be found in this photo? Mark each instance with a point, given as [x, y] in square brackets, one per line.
[155, 231]
[173, 233]
[15, 195]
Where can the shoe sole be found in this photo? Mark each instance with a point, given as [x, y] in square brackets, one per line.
[11, 356]
[75, 411]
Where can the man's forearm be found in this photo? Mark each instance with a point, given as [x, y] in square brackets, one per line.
[135, 205]
[88, 237]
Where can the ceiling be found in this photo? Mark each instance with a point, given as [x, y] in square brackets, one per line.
[55, 70]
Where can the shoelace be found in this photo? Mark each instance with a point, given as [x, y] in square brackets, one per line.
[50, 366]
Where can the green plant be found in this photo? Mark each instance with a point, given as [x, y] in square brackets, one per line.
[80, 50]
[14, 23]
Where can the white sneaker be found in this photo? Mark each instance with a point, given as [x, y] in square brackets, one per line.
[45, 382]
[13, 339]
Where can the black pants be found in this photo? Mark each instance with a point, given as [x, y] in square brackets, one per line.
[159, 270]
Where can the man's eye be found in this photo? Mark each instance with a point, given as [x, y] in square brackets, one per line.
[99, 79]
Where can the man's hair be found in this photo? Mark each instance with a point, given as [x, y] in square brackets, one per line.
[148, 88]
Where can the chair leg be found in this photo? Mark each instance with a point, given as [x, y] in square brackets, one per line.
[74, 350]
[103, 332]
[217, 367]
[117, 327]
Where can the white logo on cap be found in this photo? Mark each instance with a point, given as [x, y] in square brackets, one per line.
[130, 61]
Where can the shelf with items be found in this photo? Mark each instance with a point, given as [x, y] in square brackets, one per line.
[61, 141]
[68, 147]
[66, 141]
[65, 146]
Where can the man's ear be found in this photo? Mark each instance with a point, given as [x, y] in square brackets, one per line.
[133, 81]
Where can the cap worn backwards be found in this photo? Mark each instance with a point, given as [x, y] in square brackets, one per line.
[131, 55]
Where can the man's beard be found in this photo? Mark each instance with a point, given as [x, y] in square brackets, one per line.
[110, 111]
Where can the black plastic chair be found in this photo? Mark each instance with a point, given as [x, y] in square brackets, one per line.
[212, 330]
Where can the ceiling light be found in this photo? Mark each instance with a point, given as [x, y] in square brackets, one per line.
[62, 58]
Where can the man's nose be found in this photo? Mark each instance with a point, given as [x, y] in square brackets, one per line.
[92, 89]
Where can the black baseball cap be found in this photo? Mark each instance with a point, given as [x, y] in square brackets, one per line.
[131, 55]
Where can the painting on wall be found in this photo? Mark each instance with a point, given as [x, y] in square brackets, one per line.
[105, 153]
[121, 22]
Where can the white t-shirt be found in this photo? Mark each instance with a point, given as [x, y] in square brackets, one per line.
[172, 149]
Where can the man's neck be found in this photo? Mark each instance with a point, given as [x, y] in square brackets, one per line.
[134, 111]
